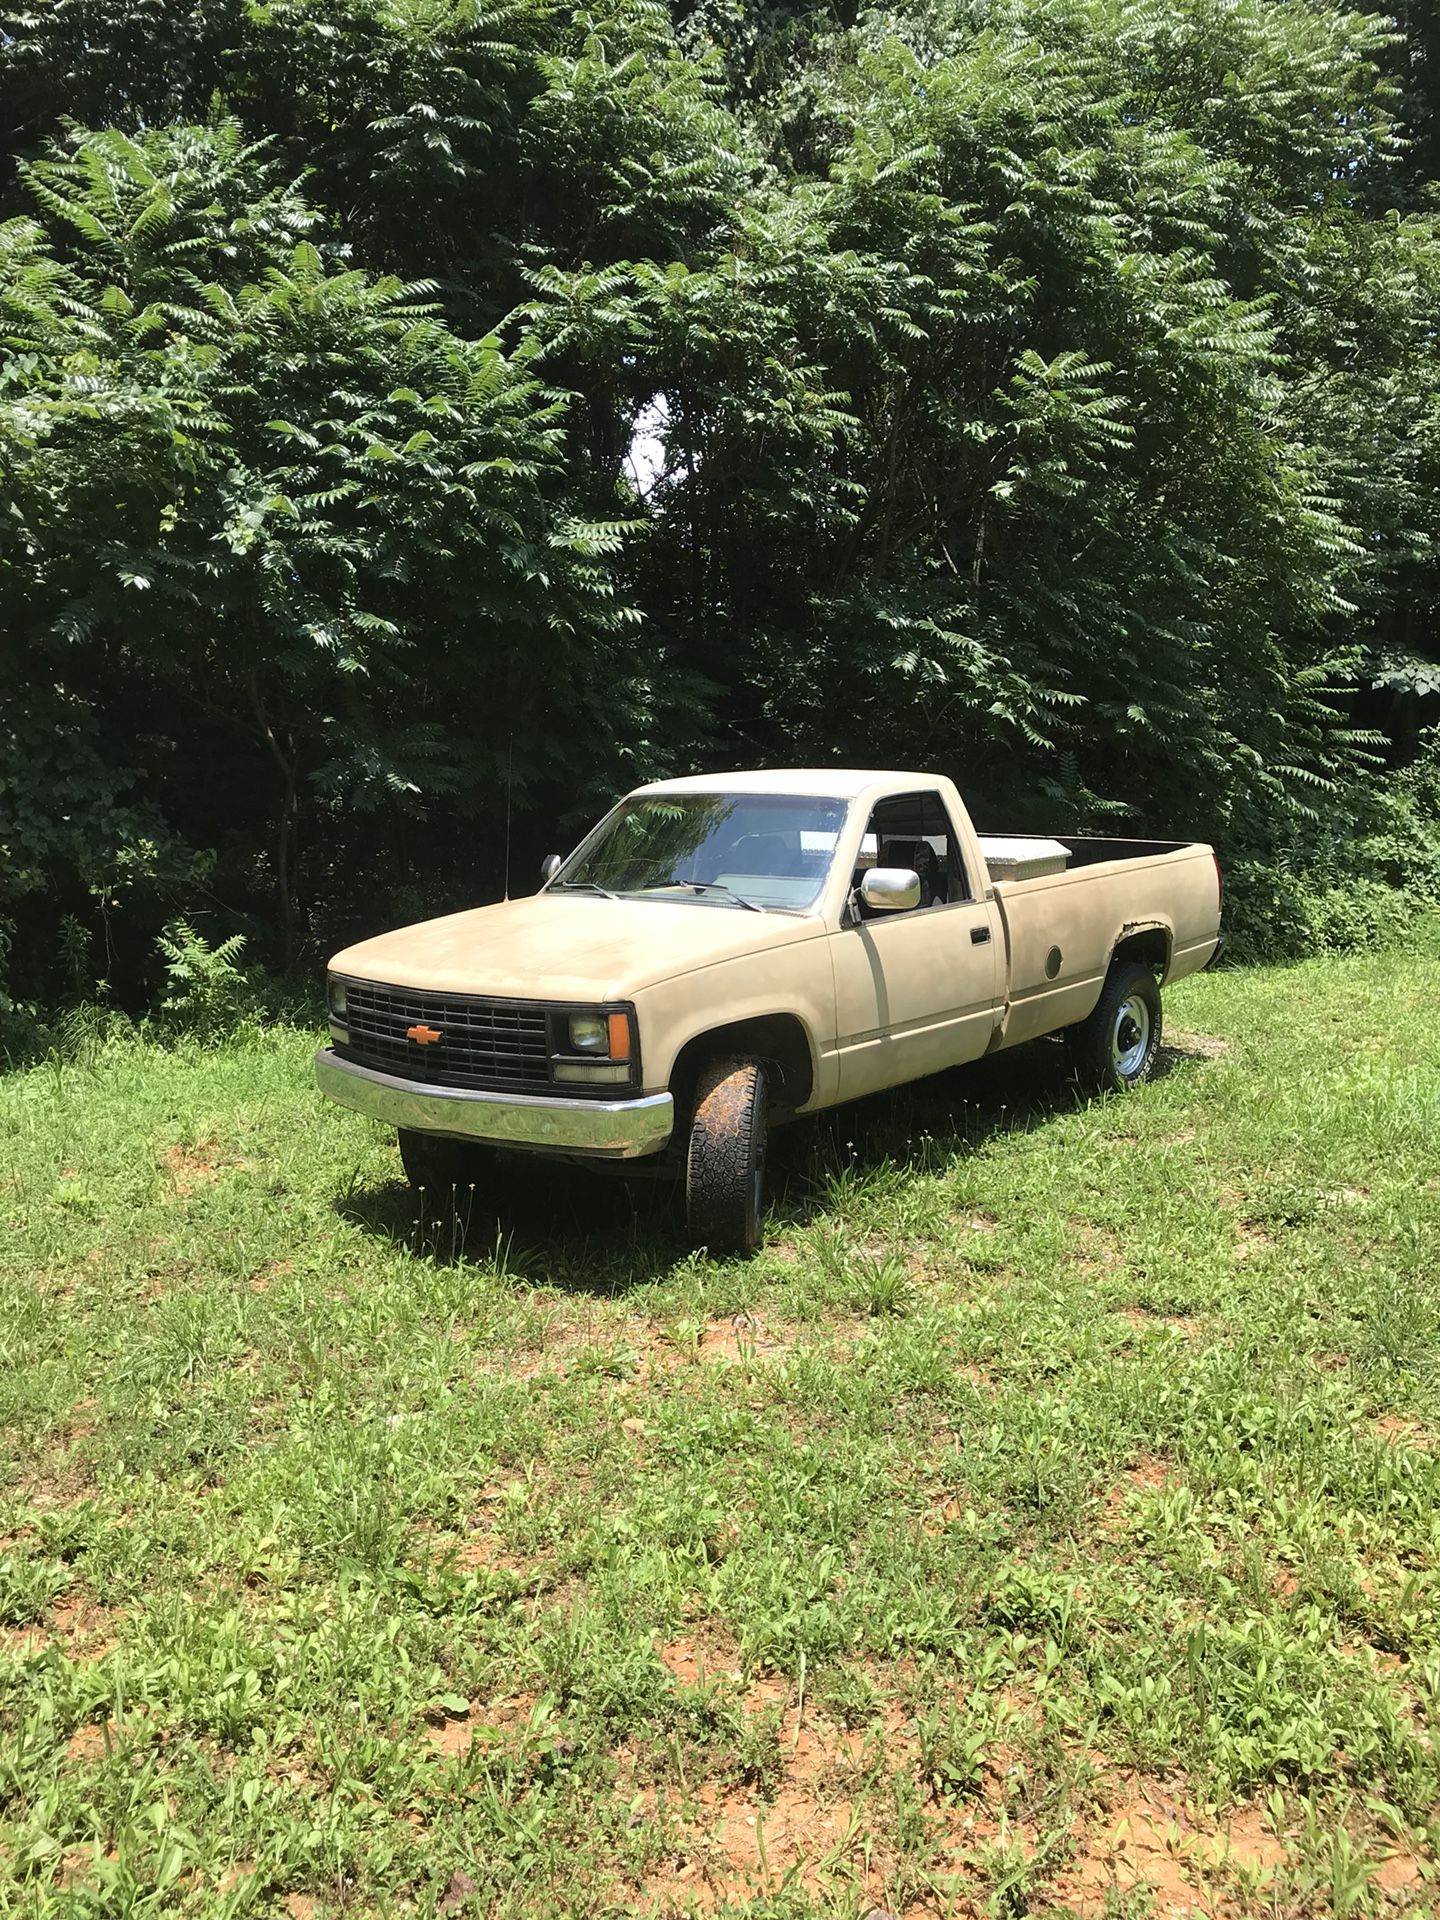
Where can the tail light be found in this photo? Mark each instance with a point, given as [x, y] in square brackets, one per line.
[1219, 882]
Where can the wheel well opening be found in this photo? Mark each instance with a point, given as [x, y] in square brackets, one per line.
[779, 1039]
[1148, 947]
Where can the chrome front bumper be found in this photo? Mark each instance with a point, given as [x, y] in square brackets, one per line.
[609, 1129]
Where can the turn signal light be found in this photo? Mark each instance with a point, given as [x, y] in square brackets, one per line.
[619, 1036]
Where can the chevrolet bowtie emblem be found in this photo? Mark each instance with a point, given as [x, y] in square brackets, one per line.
[422, 1035]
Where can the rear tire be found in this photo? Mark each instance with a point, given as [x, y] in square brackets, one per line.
[1115, 1048]
[725, 1164]
[438, 1165]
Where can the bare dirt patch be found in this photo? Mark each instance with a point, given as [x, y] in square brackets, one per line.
[79, 1864]
[1148, 1473]
[486, 1550]
[743, 1337]
[452, 1737]
[195, 1165]
[695, 1659]
[822, 1824]
[453, 1734]
[458, 1889]
[1196, 1046]
[1153, 1839]
[978, 1376]
[57, 1482]
[91, 1742]
[974, 1219]
[76, 1626]
[1396, 1431]
[739, 1845]
[811, 1832]
[943, 1512]
[1098, 1249]
[1402, 1871]
[1252, 1240]
[546, 1357]
[234, 1876]
[1138, 1316]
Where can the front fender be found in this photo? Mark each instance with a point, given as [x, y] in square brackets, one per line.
[794, 981]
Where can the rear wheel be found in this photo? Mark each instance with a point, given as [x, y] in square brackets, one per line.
[438, 1164]
[725, 1164]
[1115, 1048]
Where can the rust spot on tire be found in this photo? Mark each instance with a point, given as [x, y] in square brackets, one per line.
[726, 1106]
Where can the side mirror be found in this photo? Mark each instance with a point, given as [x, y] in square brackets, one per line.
[890, 889]
[549, 867]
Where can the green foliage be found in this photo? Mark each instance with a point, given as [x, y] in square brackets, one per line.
[259, 496]
[1277, 912]
[1360, 878]
[208, 993]
[1040, 389]
[1406, 847]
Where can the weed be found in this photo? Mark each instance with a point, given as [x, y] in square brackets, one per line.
[208, 992]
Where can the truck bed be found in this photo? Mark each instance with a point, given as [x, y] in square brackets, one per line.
[1061, 930]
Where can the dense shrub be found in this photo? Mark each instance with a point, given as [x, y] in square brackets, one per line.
[1356, 878]
[414, 418]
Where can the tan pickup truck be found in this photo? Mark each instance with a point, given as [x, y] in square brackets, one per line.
[725, 952]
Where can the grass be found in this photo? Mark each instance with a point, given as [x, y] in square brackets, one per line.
[1045, 1523]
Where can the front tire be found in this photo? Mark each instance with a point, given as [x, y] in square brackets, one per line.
[1115, 1048]
[725, 1164]
[439, 1165]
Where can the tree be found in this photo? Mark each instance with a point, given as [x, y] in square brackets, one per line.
[1020, 425]
[1042, 389]
[270, 517]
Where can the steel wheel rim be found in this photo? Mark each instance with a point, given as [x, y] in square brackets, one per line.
[1130, 1036]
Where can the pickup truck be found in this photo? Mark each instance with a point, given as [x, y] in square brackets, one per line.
[725, 952]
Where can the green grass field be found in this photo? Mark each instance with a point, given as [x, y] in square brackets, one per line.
[1047, 1522]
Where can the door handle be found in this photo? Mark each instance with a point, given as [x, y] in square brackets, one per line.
[979, 935]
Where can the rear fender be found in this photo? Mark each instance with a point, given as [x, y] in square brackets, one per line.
[1148, 942]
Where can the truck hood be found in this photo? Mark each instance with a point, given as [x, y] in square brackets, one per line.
[567, 947]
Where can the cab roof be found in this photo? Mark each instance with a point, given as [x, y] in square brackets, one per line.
[838, 783]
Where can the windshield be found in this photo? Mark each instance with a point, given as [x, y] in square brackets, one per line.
[717, 849]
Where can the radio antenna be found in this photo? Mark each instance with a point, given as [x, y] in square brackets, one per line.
[509, 793]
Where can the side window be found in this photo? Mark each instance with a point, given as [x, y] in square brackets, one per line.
[913, 830]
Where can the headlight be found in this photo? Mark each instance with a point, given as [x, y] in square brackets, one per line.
[589, 1033]
[335, 1001]
[594, 1044]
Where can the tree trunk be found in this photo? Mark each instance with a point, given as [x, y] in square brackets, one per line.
[285, 829]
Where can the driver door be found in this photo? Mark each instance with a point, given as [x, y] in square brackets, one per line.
[920, 989]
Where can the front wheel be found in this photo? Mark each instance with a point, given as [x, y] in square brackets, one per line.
[439, 1164]
[1115, 1048]
[725, 1164]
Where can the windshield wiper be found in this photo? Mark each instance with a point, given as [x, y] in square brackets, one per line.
[581, 886]
[716, 886]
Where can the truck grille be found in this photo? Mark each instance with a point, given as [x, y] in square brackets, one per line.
[492, 1045]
